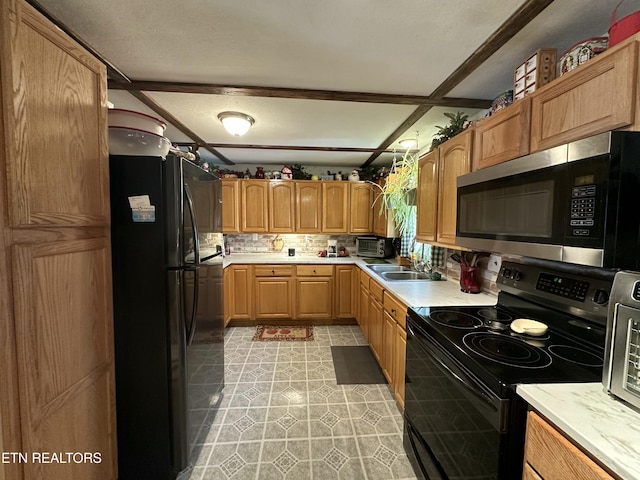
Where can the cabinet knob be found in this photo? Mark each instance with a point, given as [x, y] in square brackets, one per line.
[314, 270]
[393, 310]
[273, 272]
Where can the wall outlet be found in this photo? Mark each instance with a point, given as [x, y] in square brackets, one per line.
[254, 237]
[494, 264]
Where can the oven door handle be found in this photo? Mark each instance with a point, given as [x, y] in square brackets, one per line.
[481, 395]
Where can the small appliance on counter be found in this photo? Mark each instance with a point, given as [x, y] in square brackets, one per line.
[332, 248]
[374, 247]
[621, 375]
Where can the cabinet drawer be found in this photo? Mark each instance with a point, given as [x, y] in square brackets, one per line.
[395, 308]
[314, 270]
[273, 270]
[553, 456]
[376, 290]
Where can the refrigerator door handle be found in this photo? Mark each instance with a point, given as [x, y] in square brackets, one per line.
[191, 328]
[192, 214]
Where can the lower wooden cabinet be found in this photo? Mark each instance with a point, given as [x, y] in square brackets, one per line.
[388, 347]
[400, 359]
[549, 455]
[314, 293]
[363, 307]
[292, 292]
[375, 322]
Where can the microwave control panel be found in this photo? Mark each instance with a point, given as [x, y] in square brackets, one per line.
[583, 209]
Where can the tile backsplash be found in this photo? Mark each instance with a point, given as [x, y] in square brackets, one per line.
[304, 244]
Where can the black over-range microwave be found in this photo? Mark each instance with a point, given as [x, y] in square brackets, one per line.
[576, 203]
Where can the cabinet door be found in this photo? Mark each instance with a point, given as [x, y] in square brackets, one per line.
[308, 206]
[64, 331]
[454, 161]
[375, 328]
[388, 345]
[227, 295]
[363, 312]
[552, 455]
[240, 297]
[594, 98]
[282, 198]
[400, 355]
[335, 203]
[230, 206]
[273, 297]
[503, 136]
[254, 201]
[55, 126]
[427, 197]
[347, 278]
[314, 297]
[360, 214]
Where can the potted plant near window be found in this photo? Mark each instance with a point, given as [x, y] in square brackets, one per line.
[398, 193]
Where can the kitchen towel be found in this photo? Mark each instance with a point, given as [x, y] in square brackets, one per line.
[438, 257]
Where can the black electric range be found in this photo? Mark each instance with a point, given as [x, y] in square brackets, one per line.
[463, 418]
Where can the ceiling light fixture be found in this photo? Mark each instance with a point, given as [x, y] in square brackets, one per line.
[408, 143]
[236, 123]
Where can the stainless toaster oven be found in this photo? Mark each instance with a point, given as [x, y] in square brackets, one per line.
[621, 373]
[374, 247]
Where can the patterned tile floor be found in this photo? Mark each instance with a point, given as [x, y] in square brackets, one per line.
[284, 417]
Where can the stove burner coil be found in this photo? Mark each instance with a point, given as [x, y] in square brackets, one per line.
[506, 350]
[576, 355]
[454, 319]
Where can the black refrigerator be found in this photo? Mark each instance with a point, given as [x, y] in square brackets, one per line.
[168, 311]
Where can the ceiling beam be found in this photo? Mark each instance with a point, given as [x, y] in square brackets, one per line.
[298, 94]
[520, 18]
[301, 148]
[164, 113]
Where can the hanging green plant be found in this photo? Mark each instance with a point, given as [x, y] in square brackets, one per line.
[457, 123]
[398, 192]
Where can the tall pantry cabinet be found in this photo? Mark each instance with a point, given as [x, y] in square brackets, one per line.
[56, 339]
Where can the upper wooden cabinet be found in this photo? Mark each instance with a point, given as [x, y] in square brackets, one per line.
[427, 197]
[454, 160]
[231, 205]
[55, 115]
[282, 199]
[596, 97]
[254, 213]
[360, 218]
[503, 136]
[335, 207]
[308, 206]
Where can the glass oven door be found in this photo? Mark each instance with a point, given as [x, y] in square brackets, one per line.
[456, 426]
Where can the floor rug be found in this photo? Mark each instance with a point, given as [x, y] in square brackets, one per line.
[356, 365]
[283, 333]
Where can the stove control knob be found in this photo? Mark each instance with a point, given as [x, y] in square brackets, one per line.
[506, 273]
[600, 297]
[517, 275]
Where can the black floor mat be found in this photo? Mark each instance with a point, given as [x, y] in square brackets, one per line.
[356, 365]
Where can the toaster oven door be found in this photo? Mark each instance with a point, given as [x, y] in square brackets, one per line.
[625, 356]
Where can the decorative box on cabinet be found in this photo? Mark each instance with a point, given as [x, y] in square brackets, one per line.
[536, 71]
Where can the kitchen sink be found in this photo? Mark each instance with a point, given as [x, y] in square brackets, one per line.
[388, 268]
[405, 275]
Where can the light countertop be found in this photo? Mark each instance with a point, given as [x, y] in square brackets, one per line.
[411, 293]
[603, 426]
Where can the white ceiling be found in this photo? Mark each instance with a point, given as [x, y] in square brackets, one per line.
[404, 47]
